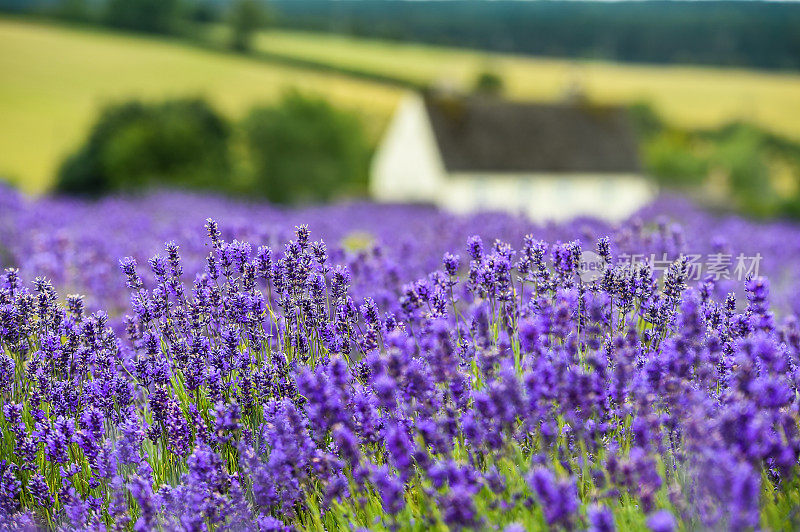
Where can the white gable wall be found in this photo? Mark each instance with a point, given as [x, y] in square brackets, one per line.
[407, 166]
[547, 196]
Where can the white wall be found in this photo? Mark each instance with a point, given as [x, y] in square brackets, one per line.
[548, 196]
[407, 166]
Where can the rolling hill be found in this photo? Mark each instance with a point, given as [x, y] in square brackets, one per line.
[55, 79]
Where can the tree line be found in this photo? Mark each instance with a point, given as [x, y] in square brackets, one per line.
[732, 33]
[298, 149]
[184, 18]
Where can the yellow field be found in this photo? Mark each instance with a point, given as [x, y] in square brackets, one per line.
[54, 79]
[689, 96]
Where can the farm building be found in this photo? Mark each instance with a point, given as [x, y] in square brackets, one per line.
[549, 161]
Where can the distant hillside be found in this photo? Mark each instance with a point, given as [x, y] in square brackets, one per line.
[741, 33]
[745, 33]
[55, 79]
[693, 97]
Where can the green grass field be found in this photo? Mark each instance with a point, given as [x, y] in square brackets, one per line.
[54, 79]
[686, 96]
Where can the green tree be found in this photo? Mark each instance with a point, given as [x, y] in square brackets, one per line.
[73, 10]
[741, 154]
[152, 16]
[246, 16]
[304, 149]
[135, 145]
[672, 159]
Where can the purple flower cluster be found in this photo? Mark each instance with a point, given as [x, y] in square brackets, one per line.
[253, 385]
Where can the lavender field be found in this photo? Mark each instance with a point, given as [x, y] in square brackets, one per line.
[235, 366]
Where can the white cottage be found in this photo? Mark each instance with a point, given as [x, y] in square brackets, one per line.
[550, 161]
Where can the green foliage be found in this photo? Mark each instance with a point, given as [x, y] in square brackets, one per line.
[300, 149]
[670, 157]
[73, 10]
[645, 119]
[133, 145]
[151, 16]
[303, 149]
[203, 11]
[741, 155]
[246, 16]
[490, 83]
[790, 207]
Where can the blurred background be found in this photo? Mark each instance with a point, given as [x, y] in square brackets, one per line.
[308, 101]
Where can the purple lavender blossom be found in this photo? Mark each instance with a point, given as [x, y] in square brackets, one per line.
[254, 378]
[661, 521]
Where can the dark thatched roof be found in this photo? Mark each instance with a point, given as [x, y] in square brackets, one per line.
[491, 135]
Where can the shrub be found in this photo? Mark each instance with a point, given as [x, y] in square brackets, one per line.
[760, 168]
[741, 154]
[134, 145]
[245, 17]
[671, 157]
[304, 149]
[489, 83]
[646, 120]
